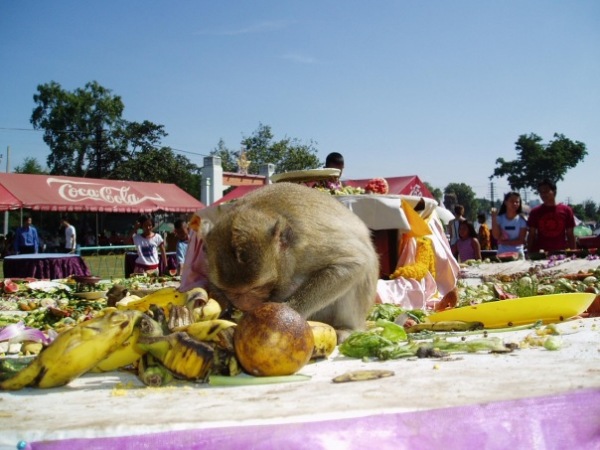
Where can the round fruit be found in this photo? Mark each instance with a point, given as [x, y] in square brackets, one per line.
[273, 340]
[10, 287]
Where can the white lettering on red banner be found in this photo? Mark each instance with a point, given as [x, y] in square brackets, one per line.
[79, 191]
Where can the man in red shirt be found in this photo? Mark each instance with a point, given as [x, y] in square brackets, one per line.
[550, 224]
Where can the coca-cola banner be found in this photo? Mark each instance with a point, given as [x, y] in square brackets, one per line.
[55, 193]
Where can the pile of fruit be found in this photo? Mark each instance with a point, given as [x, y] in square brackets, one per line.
[170, 335]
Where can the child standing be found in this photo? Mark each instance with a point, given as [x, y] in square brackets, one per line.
[148, 244]
[484, 234]
[467, 245]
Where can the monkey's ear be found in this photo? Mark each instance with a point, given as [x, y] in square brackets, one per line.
[282, 231]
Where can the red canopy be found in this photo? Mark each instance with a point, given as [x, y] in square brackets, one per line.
[58, 193]
[408, 185]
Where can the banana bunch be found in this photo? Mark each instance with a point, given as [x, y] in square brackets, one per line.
[76, 351]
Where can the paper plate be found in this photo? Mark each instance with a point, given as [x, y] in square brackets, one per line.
[47, 286]
[299, 176]
[519, 311]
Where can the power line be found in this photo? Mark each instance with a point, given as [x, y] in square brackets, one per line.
[93, 132]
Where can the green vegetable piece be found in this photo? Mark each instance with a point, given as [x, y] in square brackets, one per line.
[552, 343]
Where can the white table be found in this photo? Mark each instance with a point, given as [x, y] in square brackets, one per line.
[531, 398]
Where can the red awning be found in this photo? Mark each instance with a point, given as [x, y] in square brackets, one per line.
[7, 200]
[58, 193]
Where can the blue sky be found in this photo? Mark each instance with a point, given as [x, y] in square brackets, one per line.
[439, 89]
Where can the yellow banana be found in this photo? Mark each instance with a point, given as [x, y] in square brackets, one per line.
[185, 357]
[325, 339]
[76, 351]
[208, 330]
[126, 354]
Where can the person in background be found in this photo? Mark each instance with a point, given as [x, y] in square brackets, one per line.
[181, 231]
[148, 244]
[483, 234]
[551, 224]
[453, 226]
[26, 238]
[467, 246]
[509, 227]
[333, 161]
[70, 235]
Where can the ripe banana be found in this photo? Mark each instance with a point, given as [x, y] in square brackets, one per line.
[325, 339]
[185, 357]
[76, 351]
[126, 354]
[208, 330]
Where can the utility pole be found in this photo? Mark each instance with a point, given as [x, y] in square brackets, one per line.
[492, 189]
[7, 167]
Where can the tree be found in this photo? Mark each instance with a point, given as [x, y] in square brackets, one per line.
[286, 154]
[538, 161]
[79, 127]
[88, 137]
[31, 166]
[436, 192]
[228, 157]
[462, 194]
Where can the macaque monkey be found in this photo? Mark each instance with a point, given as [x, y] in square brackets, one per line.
[291, 243]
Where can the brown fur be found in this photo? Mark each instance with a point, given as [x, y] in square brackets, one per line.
[294, 244]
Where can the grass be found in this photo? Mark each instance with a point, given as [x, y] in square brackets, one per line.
[106, 266]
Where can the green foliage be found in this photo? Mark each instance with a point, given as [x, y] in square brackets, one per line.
[286, 154]
[88, 138]
[436, 192]
[463, 195]
[537, 161]
[31, 166]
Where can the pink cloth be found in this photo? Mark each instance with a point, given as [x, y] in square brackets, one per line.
[195, 269]
[422, 294]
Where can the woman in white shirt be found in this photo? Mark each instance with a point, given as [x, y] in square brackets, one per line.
[509, 227]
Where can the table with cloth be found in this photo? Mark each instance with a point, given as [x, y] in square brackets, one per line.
[50, 266]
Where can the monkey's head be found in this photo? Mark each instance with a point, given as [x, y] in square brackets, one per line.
[248, 256]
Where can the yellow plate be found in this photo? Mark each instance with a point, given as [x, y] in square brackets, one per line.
[519, 311]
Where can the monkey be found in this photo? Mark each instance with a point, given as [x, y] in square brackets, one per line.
[291, 243]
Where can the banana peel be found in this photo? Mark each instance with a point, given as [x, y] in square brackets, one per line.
[76, 351]
[185, 357]
[446, 326]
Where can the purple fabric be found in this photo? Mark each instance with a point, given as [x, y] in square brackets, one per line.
[44, 266]
[566, 421]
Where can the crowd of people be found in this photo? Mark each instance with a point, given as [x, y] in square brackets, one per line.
[549, 227]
